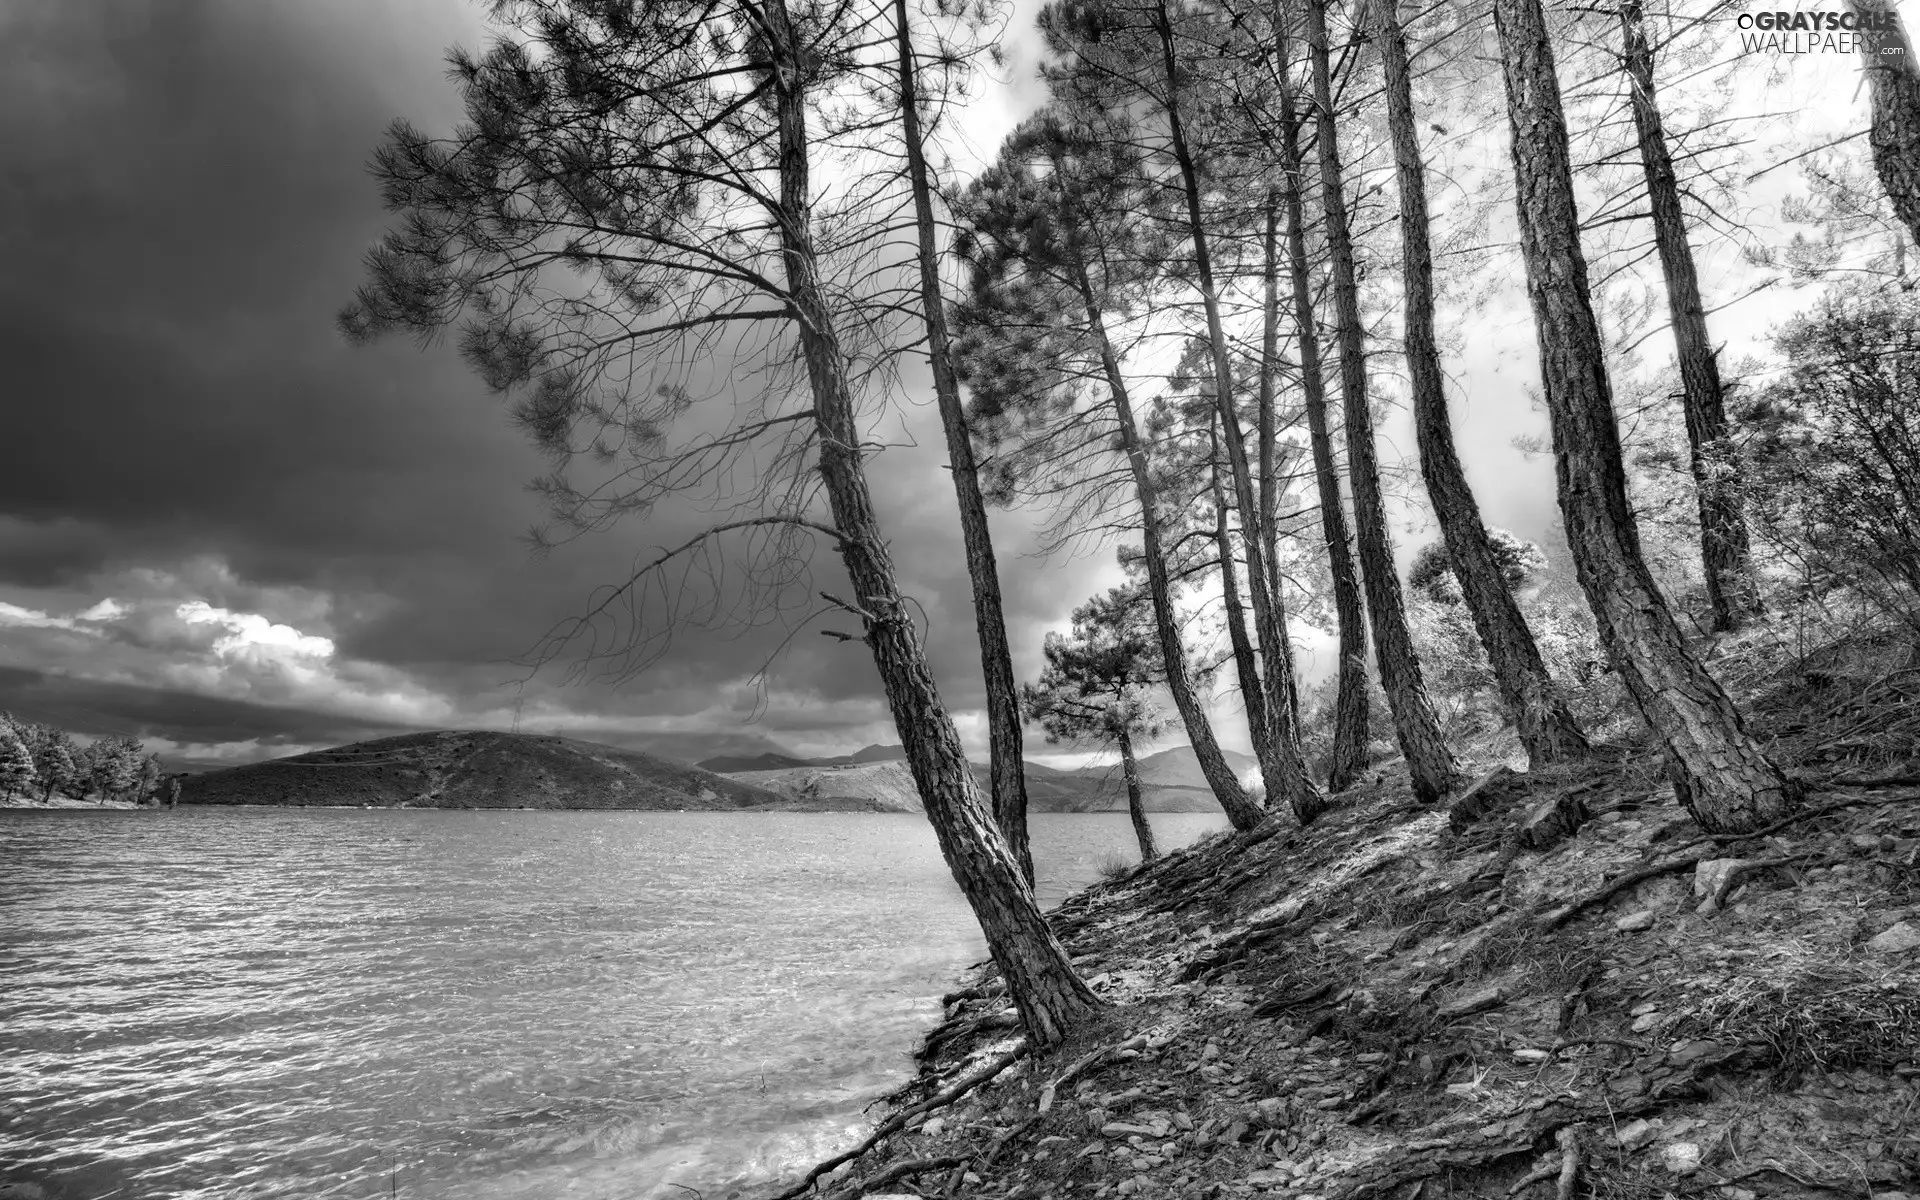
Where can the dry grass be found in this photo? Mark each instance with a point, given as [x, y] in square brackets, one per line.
[1831, 1017]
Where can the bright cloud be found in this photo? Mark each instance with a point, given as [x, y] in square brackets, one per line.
[106, 610]
[248, 631]
[33, 618]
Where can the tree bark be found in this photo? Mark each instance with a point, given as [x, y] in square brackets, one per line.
[1539, 711]
[1430, 762]
[1284, 769]
[1136, 808]
[1051, 998]
[1240, 808]
[1893, 81]
[1267, 426]
[1269, 436]
[1007, 765]
[1252, 693]
[1725, 554]
[1351, 703]
[1719, 771]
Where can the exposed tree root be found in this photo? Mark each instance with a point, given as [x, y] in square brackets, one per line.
[892, 1125]
[1082, 1066]
[1555, 918]
[898, 1171]
[1474, 1140]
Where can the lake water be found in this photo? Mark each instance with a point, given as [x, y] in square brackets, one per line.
[272, 1003]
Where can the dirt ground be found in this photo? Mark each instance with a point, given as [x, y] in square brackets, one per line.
[1413, 1003]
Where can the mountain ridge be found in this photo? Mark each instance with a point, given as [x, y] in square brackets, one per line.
[477, 769]
[877, 778]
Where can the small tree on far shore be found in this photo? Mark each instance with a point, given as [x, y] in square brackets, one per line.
[1097, 689]
[149, 782]
[56, 760]
[113, 766]
[16, 762]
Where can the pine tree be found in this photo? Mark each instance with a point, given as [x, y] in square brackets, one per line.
[1732, 593]
[1096, 687]
[113, 766]
[1539, 711]
[148, 784]
[1057, 246]
[1006, 757]
[665, 155]
[16, 761]
[1431, 764]
[1352, 718]
[1720, 772]
[1893, 78]
[59, 763]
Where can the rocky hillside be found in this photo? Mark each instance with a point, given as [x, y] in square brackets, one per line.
[1562, 987]
[477, 769]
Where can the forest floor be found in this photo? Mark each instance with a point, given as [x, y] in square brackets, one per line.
[1402, 1002]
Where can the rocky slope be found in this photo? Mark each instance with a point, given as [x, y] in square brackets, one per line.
[477, 769]
[1561, 989]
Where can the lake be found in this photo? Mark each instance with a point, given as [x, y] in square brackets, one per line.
[266, 1003]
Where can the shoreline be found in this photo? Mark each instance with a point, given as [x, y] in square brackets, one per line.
[1386, 1006]
[69, 804]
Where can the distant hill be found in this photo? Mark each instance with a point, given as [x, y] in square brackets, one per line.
[731, 764]
[774, 761]
[880, 781]
[477, 769]
[1180, 767]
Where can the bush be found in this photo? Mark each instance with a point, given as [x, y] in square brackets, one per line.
[1833, 455]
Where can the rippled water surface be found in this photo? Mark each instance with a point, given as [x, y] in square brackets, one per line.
[256, 1002]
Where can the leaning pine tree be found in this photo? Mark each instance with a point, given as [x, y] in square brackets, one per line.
[1431, 766]
[1059, 257]
[625, 230]
[1006, 756]
[1282, 767]
[1726, 560]
[1539, 712]
[1719, 770]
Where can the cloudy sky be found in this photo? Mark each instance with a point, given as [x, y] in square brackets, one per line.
[225, 531]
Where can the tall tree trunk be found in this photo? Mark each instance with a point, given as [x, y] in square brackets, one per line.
[1267, 427]
[1893, 80]
[1051, 998]
[1546, 726]
[1269, 435]
[1351, 717]
[1725, 553]
[1240, 808]
[1136, 809]
[1006, 754]
[1430, 762]
[1719, 771]
[1284, 769]
[1252, 692]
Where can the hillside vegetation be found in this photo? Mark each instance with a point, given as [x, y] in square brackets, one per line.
[476, 769]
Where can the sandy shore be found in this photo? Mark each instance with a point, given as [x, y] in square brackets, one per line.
[69, 802]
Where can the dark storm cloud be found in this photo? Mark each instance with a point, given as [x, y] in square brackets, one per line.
[96, 707]
[183, 206]
[186, 205]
